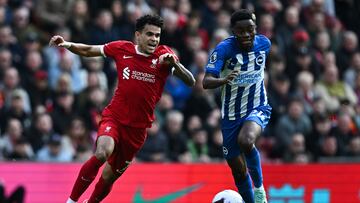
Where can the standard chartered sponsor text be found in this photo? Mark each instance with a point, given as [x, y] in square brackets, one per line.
[146, 77]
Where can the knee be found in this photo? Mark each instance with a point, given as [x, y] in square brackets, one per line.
[247, 140]
[102, 153]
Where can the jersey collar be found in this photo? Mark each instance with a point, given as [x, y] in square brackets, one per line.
[139, 52]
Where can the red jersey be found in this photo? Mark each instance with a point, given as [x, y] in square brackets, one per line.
[141, 81]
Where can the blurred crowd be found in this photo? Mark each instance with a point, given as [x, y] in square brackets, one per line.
[51, 100]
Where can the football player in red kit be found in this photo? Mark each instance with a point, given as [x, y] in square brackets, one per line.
[142, 70]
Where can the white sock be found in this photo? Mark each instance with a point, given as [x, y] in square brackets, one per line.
[70, 201]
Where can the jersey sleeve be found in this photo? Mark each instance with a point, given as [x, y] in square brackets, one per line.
[170, 51]
[216, 60]
[267, 43]
[110, 49]
[166, 49]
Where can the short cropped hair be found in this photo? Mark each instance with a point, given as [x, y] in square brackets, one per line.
[242, 14]
[148, 19]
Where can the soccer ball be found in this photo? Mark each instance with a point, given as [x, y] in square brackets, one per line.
[228, 196]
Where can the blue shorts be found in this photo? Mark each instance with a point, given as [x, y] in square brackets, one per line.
[231, 129]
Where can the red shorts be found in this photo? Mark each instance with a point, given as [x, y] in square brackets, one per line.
[128, 141]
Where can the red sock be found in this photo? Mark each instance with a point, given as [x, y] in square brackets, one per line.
[86, 175]
[102, 189]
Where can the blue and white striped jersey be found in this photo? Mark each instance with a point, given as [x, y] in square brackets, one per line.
[246, 92]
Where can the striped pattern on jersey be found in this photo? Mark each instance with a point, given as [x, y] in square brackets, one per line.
[247, 91]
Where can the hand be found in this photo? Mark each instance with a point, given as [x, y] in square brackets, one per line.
[167, 59]
[59, 41]
[232, 76]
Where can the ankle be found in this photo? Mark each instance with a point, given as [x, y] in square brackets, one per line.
[260, 188]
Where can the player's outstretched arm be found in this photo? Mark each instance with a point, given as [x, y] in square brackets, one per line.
[179, 70]
[184, 74]
[210, 81]
[77, 48]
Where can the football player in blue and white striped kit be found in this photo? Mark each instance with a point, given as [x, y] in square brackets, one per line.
[237, 66]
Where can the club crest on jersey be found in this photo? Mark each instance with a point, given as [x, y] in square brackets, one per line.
[154, 62]
[260, 60]
[213, 57]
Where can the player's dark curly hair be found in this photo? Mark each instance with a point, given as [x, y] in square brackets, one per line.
[148, 19]
[242, 14]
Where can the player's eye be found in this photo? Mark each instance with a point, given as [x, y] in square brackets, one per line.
[246, 29]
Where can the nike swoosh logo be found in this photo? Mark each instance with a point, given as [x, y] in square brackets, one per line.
[165, 198]
[127, 57]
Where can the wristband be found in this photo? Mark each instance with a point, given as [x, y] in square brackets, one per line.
[66, 45]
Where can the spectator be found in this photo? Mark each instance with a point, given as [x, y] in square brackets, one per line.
[278, 97]
[41, 95]
[349, 45]
[171, 33]
[222, 21]
[209, 12]
[178, 90]
[78, 139]
[198, 146]
[321, 45]
[218, 36]
[66, 66]
[5, 61]
[33, 65]
[192, 123]
[13, 139]
[321, 128]
[104, 30]
[96, 65]
[165, 105]
[285, 31]
[353, 70]
[300, 43]
[266, 26]
[155, 147]
[63, 111]
[296, 151]
[52, 14]
[328, 148]
[40, 131]
[215, 146]
[353, 149]
[79, 21]
[293, 121]
[199, 62]
[333, 90]
[54, 55]
[344, 131]
[16, 110]
[201, 102]
[9, 41]
[305, 90]
[177, 150]
[94, 102]
[11, 84]
[53, 151]
[21, 25]
[233, 5]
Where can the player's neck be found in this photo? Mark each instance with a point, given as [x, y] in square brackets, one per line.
[139, 52]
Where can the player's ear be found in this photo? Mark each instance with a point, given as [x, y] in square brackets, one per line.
[137, 34]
